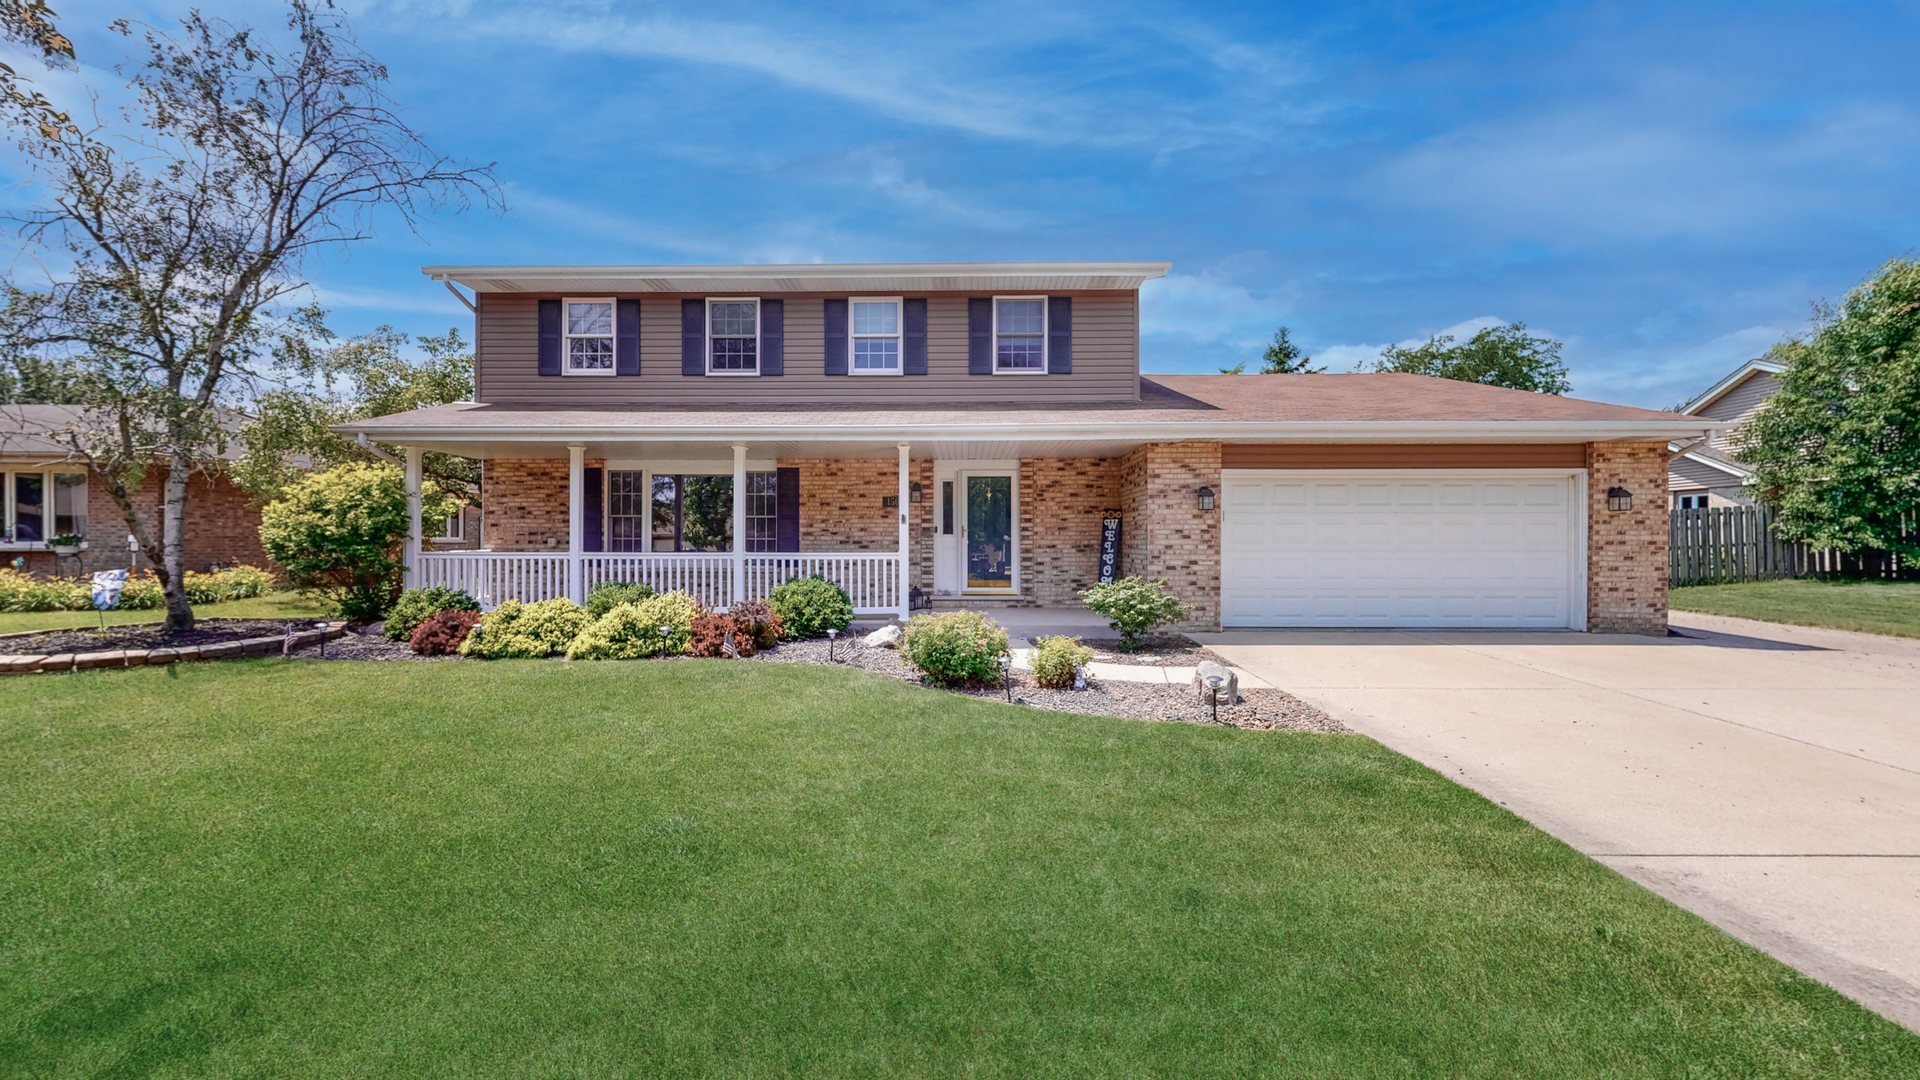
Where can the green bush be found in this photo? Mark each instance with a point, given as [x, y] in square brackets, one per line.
[632, 631]
[416, 606]
[340, 534]
[810, 606]
[1056, 659]
[1135, 605]
[24, 592]
[608, 593]
[957, 647]
[516, 631]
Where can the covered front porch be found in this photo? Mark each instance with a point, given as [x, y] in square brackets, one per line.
[743, 554]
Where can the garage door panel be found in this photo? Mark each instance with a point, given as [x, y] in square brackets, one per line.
[1397, 550]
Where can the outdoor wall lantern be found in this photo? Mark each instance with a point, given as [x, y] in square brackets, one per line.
[1206, 498]
[913, 493]
[1619, 498]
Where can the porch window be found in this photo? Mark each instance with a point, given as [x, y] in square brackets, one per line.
[876, 336]
[589, 333]
[681, 512]
[1020, 335]
[733, 337]
[36, 506]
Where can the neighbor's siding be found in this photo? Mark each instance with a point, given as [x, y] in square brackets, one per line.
[1105, 359]
[1739, 404]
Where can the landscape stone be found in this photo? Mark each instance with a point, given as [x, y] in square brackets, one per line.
[887, 637]
[1229, 689]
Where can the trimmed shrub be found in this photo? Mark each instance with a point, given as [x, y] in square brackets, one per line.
[632, 631]
[1056, 659]
[233, 583]
[710, 634]
[958, 647]
[444, 632]
[609, 593]
[24, 592]
[340, 533]
[416, 606]
[516, 631]
[755, 618]
[810, 606]
[1135, 605]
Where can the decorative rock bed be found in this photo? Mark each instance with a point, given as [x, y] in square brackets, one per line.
[37, 651]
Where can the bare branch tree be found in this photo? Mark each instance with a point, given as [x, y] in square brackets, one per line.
[184, 221]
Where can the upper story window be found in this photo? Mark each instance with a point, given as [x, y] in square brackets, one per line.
[733, 337]
[876, 336]
[589, 341]
[1020, 335]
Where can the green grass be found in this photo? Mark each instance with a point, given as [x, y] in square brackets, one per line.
[281, 605]
[540, 869]
[1873, 607]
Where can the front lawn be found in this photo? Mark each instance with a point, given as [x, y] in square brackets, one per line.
[703, 868]
[280, 605]
[1872, 607]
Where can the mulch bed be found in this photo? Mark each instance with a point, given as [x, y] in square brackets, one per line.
[1264, 710]
[357, 645]
[147, 636]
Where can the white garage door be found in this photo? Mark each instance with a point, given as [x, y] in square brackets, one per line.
[1397, 549]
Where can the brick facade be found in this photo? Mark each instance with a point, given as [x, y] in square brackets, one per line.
[525, 500]
[1627, 550]
[1061, 500]
[1166, 534]
[222, 529]
[840, 509]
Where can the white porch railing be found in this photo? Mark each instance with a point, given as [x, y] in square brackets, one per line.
[871, 579]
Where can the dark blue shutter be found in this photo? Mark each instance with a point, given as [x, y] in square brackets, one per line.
[786, 509]
[836, 315]
[626, 340]
[773, 337]
[913, 345]
[593, 524]
[549, 337]
[1059, 335]
[693, 337]
[980, 335]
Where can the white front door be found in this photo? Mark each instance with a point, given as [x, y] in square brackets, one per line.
[1417, 548]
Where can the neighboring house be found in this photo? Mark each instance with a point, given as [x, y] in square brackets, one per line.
[48, 492]
[958, 431]
[1708, 472]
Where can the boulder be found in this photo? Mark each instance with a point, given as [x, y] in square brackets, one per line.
[1229, 687]
[887, 637]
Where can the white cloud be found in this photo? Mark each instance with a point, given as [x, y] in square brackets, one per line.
[1356, 357]
[1206, 308]
[888, 175]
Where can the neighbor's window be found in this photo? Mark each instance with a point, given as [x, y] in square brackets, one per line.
[876, 337]
[1020, 336]
[733, 337]
[589, 337]
[451, 528]
[37, 506]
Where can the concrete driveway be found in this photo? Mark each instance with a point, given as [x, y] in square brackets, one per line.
[1765, 777]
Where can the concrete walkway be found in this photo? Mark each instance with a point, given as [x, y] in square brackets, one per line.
[1765, 777]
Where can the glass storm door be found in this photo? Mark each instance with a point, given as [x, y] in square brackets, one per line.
[987, 533]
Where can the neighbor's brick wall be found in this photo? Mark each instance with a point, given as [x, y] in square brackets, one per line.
[221, 527]
[526, 503]
[1627, 550]
[1060, 504]
[1165, 533]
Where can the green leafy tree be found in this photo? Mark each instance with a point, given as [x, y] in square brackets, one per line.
[29, 24]
[176, 229]
[1283, 357]
[1497, 356]
[289, 431]
[340, 534]
[30, 380]
[1836, 451]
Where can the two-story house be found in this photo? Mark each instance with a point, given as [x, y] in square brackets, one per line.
[961, 431]
[1707, 471]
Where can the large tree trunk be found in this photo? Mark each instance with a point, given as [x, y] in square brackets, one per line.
[173, 547]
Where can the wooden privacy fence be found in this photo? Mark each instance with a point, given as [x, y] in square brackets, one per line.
[1720, 544]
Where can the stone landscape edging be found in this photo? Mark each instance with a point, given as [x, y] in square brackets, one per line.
[171, 654]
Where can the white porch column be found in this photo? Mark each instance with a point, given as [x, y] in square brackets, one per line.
[410, 577]
[576, 521]
[906, 603]
[739, 522]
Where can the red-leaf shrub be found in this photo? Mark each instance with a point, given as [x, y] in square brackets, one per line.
[710, 635]
[443, 634]
[757, 620]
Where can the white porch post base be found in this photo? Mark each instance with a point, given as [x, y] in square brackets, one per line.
[906, 602]
[410, 577]
[576, 522]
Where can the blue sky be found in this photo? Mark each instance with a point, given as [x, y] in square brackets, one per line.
[1663, 187]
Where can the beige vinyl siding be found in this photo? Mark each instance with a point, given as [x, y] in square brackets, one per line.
[1105, 359]
[1739, 405]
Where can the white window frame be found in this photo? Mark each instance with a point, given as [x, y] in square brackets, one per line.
[1046, 337]
[49, 507]
[758, 318]
[455, 527]
[566, 338]
[899, 334]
